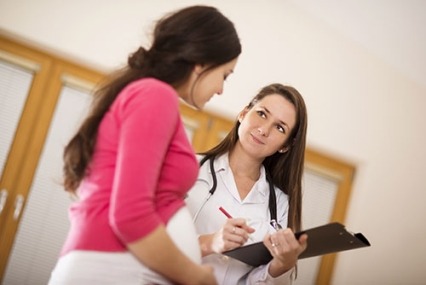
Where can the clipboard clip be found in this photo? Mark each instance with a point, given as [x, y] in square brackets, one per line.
[275, 225]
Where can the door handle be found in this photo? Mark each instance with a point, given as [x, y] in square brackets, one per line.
[3, 199]
[19, 204]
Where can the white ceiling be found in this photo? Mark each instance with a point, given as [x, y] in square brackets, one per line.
[393, 30]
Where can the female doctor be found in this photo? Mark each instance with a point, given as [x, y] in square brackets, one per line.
[255, 176]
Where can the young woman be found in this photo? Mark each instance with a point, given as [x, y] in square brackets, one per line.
[130, 164]
[255, 174]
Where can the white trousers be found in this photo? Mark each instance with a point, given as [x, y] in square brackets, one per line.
[108, 268]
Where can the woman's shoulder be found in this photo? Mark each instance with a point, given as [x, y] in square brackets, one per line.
[148, 92]
[151, 85]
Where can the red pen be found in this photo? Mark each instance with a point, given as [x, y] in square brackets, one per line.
[225, 213]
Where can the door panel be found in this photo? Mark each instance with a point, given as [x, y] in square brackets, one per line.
[220, 127]
[44, 224]
[15, 83]
[196, 125]
[20, 100]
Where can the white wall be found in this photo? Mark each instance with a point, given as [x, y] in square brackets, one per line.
[360, 108]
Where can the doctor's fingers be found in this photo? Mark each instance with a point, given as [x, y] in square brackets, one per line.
[293, 242]
[236, 235]
[239, 223]
[236, 226]
[231, 241]
[284, 241]
[285, 237]
[229, 245]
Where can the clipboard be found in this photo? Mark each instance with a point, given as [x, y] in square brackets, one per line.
[329, 238]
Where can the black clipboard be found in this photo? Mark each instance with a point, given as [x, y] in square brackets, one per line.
[329, 238]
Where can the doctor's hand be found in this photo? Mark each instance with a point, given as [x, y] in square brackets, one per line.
[285, 250]
[234, 233]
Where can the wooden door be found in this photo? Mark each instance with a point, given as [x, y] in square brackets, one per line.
[24, 75]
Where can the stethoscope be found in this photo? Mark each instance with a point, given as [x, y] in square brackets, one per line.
[272, 196]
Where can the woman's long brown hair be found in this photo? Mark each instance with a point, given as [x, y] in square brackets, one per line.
[193, 35]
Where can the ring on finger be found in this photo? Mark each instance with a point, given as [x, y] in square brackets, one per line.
[233, 230]
[275, 244]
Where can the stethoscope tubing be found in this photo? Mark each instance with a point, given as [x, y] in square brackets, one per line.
[272, 206]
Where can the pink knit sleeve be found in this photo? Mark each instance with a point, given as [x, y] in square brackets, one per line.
[147, 116]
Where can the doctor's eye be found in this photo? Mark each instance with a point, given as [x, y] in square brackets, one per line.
[261, 113]
[281, 129]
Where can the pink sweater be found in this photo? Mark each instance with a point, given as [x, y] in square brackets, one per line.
[142, 167]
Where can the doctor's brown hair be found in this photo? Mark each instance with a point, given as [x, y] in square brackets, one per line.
[181, 40]
[285, 169]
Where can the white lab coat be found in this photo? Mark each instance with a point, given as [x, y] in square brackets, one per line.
[254, 208]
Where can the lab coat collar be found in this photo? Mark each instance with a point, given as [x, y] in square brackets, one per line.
[261, 186]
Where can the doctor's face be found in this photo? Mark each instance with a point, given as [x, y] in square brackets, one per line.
[265, 128]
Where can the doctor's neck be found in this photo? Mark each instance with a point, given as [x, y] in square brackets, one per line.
[243, 164]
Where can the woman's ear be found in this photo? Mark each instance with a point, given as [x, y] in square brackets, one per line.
[284, 149]
[240, 118]
[199, 68]
[242, 114]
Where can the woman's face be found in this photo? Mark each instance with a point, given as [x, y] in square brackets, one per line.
[204, 84]
[266, 126]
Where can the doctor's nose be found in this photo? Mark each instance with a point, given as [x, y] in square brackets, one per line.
[263, 131]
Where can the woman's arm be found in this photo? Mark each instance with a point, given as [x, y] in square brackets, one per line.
[145, 114]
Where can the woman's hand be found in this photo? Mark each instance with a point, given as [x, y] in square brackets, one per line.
[234, 233]
[285, 249]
